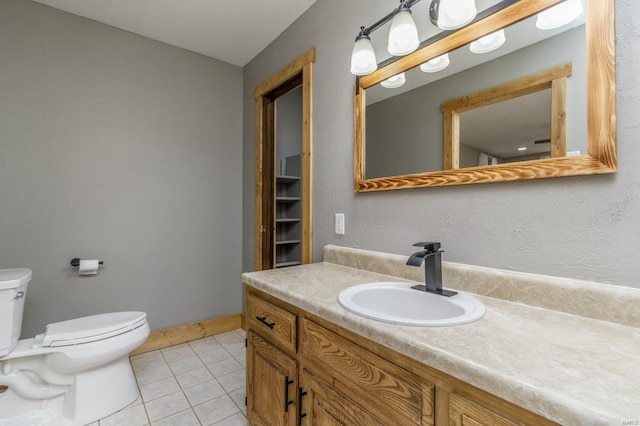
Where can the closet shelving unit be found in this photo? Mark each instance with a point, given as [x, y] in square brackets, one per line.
[289, 214]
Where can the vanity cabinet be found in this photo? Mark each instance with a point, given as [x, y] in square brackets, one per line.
[326, 406]
[303, 370]
[271, 376]
[463, 412]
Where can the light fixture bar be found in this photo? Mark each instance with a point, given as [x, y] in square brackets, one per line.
[387, 18]
[481, 15]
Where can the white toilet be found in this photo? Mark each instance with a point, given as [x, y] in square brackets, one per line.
[75, 373]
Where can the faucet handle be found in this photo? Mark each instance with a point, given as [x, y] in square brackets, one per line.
[430, 246]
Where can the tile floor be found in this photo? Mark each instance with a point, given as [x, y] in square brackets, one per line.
[197, 383]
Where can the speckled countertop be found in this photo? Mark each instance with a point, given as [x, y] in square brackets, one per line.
[569, 368]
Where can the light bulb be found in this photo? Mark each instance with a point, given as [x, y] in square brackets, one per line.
[363, 58]
[453, 14]
[488, 43]
[395, 81]
[559, 15]
[403, 34]
[436, 64]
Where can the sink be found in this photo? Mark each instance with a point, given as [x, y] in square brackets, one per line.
[398, 303]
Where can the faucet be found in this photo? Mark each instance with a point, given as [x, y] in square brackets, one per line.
[432, 258]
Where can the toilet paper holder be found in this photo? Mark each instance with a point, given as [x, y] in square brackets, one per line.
[75, 262]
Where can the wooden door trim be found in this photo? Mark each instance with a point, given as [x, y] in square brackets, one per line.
[303, 65]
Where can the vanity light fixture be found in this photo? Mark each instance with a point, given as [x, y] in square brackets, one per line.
[403, 34]
[452, 14]
[436, 64]
[559, 15]
[488, 43]
[394, 82]
[363, 58]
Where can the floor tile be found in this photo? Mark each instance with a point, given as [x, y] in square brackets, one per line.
[159, 388]
[183, 418]
[215, 410]
[229, 337]
[194, 377]
[238, 396]
[207, 344]
[153, 374]
[242, 360]
[233, 381]
[184, 365]
[235, 420]
[181, 352]
[214, 356]
[224, 367]
[178, 387]
[236, 349]
[204, 392]
[131, 416]
[153, 359]
[166, 406]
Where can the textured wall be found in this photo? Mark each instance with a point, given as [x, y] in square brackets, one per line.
[117, 147]
[583, 227]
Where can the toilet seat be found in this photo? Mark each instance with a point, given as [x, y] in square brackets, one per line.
[91, 328]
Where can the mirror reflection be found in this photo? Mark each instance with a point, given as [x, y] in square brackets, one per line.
[405, 125]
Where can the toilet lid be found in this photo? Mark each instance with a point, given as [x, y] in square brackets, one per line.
[92, 328]
[14, 278]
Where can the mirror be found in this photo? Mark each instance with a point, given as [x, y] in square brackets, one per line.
[465, 124]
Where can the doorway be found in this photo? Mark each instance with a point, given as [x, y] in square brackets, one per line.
[283, 200]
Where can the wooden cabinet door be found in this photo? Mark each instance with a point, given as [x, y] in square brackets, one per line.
[271, 384]
[322, 405]
[463, 412]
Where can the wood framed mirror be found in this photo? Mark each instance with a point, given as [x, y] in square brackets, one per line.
[589, 108]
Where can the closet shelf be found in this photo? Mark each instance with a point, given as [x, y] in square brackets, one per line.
[287, 220]
[285, 242]
[283, 264]
[287, 199]
[287, 179]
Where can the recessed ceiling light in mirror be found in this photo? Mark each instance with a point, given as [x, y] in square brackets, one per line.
[394, 82]
[488, 43]
[559, 15]
[436, 64]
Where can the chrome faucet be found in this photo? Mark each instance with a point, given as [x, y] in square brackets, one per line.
[432, 258]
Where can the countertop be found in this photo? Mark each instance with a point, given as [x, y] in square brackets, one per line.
[568, 368]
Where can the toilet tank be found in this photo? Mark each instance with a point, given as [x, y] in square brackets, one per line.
[13, 291]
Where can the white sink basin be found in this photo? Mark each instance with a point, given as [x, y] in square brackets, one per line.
[398, 303]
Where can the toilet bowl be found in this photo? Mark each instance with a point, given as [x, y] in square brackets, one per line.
[76, 372]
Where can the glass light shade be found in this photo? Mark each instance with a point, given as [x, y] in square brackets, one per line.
[488, 43]
[559, 15]
[395, 81]
[403, 35]
[436, 64]
[363, 58]
[453, 14]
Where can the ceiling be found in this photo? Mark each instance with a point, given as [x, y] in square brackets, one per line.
[233, 32]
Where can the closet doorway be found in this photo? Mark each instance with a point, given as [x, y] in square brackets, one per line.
[283, 213]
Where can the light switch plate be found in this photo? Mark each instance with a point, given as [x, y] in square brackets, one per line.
[339, 224]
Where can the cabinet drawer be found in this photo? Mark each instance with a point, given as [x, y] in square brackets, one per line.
[273, 322]
[389, 392]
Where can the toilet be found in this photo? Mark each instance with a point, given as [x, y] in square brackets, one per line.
[76, 372]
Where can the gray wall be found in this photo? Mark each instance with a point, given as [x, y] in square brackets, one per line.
[289, 125]
[405, 133]
[117, 147]
[583, 227]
